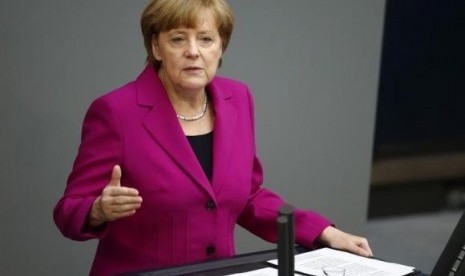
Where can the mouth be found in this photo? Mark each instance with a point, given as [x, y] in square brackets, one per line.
[192, 68]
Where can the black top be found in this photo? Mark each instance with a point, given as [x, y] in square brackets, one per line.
[203, 149]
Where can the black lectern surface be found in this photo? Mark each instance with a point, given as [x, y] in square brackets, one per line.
[236, 264]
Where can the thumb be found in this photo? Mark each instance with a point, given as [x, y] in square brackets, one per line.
[116, 176]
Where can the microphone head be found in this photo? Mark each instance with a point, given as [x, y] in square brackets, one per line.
[286, 209]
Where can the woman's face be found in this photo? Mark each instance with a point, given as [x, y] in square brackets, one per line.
[189, 57]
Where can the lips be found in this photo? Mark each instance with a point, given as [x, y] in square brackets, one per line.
[192, 68]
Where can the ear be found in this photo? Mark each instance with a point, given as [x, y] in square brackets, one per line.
[155, 48]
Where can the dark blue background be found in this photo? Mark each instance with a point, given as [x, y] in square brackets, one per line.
[421, 101]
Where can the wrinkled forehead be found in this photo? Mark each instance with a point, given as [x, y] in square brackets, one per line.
[190, 19]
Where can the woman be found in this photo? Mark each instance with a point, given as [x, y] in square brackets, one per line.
[167, 163]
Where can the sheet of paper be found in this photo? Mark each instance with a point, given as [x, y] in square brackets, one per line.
[269, 271]
[313, 262]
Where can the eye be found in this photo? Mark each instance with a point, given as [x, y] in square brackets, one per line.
[177, 40]
[206, 40]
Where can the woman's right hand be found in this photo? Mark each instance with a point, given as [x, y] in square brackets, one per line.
[115, 202]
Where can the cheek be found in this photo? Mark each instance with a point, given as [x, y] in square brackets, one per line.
[172, 57]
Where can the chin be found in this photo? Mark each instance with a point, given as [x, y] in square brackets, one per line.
[195, 84]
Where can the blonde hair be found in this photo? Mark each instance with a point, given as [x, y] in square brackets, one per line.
[164, 15]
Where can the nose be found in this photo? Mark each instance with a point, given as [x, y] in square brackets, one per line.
[192, 50]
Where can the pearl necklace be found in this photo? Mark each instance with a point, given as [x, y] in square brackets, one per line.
[196, 117]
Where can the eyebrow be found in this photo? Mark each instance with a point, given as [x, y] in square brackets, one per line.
[185, 30]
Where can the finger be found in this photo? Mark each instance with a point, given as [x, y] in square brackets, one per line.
[126, 208]
[367, 248]
[116, 176]
[124, 214]
[124, 199]
[109, 200]
[116, 216]
[122, 191]
[363, 243]
[122, 211]
[363, 249]
[113, 212]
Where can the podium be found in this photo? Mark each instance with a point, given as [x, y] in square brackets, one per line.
[239, 263]
[220, 267]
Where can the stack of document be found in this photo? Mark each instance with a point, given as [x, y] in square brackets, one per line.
[312, 263]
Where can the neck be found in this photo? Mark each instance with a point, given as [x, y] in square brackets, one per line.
[189, 105]
[197, 116]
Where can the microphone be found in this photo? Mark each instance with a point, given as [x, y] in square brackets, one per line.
[286, 240]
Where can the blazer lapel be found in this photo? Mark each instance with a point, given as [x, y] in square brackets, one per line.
[223, 134]
[163, 126]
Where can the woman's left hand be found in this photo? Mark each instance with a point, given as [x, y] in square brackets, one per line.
[338, 239]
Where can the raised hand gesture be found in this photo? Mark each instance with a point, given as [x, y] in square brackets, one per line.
[115, 202]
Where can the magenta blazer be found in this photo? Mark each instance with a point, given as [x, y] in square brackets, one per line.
[184, 217]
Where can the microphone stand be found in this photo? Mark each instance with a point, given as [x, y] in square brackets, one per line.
[286, 240]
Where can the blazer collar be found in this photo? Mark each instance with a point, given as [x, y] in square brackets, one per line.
[162, 124]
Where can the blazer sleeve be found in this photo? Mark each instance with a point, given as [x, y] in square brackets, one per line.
[99, 151]
[261, 212]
